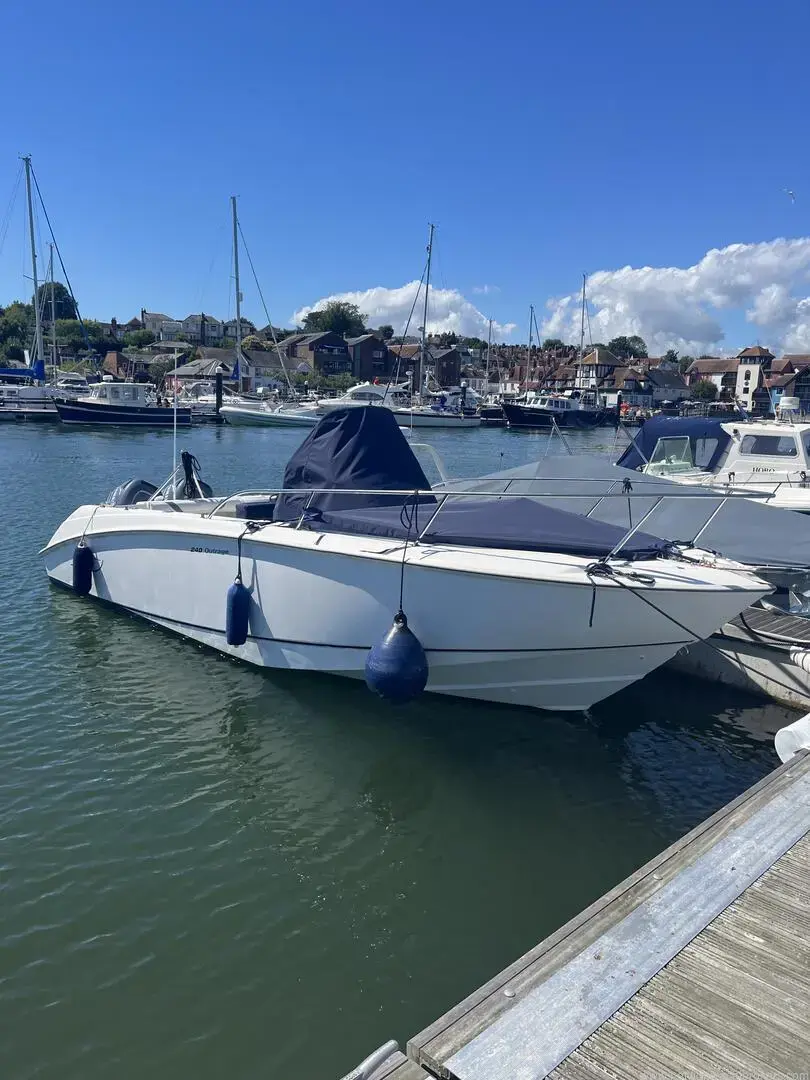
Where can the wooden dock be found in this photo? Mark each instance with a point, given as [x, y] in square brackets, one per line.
[698, 966]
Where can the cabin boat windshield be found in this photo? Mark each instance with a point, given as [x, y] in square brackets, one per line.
[671, 455]
[118, 393]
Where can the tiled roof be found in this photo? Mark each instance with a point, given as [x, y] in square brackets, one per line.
[714, 365]
[756, 350]
[600, 357]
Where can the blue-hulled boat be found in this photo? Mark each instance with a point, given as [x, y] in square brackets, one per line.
[121, 404]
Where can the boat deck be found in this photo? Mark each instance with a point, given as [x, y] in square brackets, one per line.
[774, 626]
[697, 965]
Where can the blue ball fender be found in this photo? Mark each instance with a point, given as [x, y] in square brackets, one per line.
[237, 614]
[83, 563]
[396, 667]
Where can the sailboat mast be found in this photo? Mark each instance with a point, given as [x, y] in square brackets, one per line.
[529, 352]
[582, 320]
[423, 349]
[236, 278]
[40, 352]
[489, 350]
[53, 315]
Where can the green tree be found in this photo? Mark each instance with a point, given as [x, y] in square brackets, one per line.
[553, 343]
[16, 329]
[628, 348]
[69, 332]
[337, 316]
[64, 303]
[671, 356]
[704, 390]
[138, 339]
[386, 331]
[12, 352]
[684, 363]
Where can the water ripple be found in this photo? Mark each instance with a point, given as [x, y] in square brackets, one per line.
[207, 868]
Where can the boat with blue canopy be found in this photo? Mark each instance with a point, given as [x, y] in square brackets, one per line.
[498, 597]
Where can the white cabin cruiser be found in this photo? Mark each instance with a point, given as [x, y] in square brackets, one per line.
[512, 601]
[367, 393]
[444, 409]
[766, 459]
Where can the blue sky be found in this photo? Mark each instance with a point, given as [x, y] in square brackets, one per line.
[544, 139]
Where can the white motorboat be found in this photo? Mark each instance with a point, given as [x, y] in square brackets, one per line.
[511, 600]
[443, 410]
[264, 414]
[367, 393]
[769, 460]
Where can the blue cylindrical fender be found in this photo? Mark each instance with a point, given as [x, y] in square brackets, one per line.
[83, 563]
[237, 614]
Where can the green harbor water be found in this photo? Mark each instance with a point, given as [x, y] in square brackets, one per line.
[210, 870]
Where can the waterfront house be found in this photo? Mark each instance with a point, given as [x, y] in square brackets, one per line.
[229, 329]
[371, 358]
[325, 354]
[595, 367]
[720, 370]
[126, 367]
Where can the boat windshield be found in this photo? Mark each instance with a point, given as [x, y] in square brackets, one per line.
[672, 454]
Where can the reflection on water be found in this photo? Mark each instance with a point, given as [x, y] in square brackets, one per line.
[209, 868]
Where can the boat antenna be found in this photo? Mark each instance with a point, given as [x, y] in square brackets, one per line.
[423, 349]
[39, 348]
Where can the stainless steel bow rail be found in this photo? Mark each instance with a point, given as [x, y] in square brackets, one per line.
[443, 497]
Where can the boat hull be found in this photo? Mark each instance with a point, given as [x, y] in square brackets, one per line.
[320, 601]
[527, 417]
[89, 412]
[267, 417]
[438, 419]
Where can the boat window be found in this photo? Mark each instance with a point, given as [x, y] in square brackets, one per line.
[114, 394]
[101, 392]
[671, 451]
[704, 450]
[769, 445]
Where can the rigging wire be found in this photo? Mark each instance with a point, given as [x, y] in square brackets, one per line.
[217, 254]
[61, 261]
[6, 222]
[264, 305]
[395, 376]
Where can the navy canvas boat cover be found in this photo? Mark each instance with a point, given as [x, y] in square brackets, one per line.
[661, 427]
[363, 447]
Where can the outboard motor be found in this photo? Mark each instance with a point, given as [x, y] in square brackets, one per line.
[131, 492]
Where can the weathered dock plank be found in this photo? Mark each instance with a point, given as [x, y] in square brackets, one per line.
[641, 960]
[716, 1009]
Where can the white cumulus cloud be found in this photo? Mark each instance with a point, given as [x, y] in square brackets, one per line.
[684, 307]
[448, 310]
